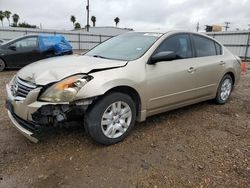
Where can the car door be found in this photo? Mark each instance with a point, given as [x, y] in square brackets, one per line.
[172, 82]
[23, 52]
[210, 64]
[13, 55]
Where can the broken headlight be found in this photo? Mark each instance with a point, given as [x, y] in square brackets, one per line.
[65, 90]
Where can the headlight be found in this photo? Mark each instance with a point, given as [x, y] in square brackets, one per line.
[65, 90]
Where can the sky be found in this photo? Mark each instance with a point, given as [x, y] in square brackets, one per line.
[136, 14]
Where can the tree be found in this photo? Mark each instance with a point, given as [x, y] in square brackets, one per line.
[15, 18]
[77, 25]
[73, 19]
[93, 19]
[26, 25]
[117, 20]
[7, 15]
[2, 16]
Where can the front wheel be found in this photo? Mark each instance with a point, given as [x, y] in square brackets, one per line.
[224, 90]
[2, 65]
[111, 118]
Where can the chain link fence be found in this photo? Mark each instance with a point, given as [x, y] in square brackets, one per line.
[237, 42]
[79, 40]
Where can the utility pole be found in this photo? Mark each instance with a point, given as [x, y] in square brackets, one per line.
[198, 27]
[227, 25]
[87, 8]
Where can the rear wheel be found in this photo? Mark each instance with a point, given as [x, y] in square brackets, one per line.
[224, 90]
[2, 65]
[110, 119]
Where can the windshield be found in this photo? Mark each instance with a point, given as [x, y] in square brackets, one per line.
[9, 41]
[125, 47]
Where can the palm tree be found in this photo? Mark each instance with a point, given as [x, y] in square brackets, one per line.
[15, 18]
[77, 25]
[73, 19]
[7, 15]
[117, 20]
[93, 19]
[2, 16]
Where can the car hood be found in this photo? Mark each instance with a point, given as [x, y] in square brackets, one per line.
[57, 68]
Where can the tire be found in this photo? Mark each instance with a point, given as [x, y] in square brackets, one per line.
[224, 90]
[108, 124]
[2, 65]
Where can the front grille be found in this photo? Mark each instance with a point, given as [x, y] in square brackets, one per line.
[21, 88]
[31, 126]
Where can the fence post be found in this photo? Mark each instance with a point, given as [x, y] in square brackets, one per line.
[247, 46]
[79, 41]
[100, 39]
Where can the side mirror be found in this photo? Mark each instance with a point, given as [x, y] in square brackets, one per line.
[163, 56]
[12, 47]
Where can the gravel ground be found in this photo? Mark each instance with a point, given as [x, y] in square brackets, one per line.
[203, 145]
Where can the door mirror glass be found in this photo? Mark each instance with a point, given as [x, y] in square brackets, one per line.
[163, 56]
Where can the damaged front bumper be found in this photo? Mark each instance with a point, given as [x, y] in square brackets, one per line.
[19, 112]
[20, 126]
[30, 116]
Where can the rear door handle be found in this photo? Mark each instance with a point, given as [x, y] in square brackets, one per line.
[222, 63]
[191, 70]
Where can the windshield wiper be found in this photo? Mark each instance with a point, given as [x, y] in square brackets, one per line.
[99, 56]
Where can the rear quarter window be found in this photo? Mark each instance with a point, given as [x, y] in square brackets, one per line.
[218, 48]
[204, 46]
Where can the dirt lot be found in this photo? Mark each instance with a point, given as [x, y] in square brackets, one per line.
[204, 145]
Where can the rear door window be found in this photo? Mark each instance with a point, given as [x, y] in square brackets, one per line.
[204, 46]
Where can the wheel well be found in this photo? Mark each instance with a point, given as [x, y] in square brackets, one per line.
[130, 92]
[2, 60]
[232, 76]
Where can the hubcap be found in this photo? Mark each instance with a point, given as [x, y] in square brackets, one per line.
[226, 88]
[116, 119]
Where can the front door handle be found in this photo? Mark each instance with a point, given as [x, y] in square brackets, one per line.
[222, 63]
[191, 70]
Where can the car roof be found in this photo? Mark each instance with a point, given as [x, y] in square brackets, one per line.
[164, 32]
[161, 31]
[28, 35]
